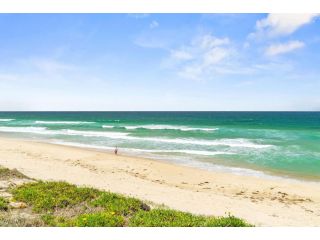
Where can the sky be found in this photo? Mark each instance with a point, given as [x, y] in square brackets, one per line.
[159, 62]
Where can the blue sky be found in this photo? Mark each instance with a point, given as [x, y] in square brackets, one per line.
[159, 62]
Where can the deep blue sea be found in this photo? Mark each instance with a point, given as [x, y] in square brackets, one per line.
[259, 143]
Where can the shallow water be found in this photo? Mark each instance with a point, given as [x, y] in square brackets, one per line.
[283, 143]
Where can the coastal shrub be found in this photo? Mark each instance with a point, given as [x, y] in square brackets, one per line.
[3, 204]
[49, 220]
[172, 218]
[229, 221]
[165, 218]
[101, 219]
[66, 205]
[118, 204]
[47, 196]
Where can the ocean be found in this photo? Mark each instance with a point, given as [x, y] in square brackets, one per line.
[285, 144]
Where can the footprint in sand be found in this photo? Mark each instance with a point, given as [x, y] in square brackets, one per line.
[203, 183]
[240, 193]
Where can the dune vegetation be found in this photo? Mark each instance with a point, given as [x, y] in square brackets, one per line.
[66, 205]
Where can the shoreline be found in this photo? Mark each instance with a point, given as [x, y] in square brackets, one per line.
[211, 167]
[263, 202]
[220, 168]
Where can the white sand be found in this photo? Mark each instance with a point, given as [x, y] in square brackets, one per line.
[262, 202]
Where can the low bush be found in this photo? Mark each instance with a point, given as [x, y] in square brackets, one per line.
[47, 196]
[172, 218]
[4, 204]
[64, 204]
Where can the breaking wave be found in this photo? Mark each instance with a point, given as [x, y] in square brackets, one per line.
[237, 142]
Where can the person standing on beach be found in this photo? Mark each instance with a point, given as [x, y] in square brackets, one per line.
[116, 150]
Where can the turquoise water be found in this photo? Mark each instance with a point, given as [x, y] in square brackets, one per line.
[280, 143]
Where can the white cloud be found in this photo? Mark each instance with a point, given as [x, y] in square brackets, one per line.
[281, 48]
[154, 24]
[180, 55]
[215, 55]
[209, 41]
[199, 58]
[282, 24]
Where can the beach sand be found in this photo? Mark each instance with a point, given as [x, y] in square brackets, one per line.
[260, 201]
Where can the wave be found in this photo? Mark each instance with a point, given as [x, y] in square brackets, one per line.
[185, 151]
[38, 130]
[188, 162]
[244, 143]
[115, 135]
[165, 127]
[221, 142]
[63, 122]
[238, 142]
[6, 119]
[107, 126]
[45, 131]
[198, 152]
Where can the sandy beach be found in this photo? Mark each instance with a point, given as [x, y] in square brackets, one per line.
[260, 201]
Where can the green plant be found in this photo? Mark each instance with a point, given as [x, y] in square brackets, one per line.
[172, 218]
[118, 204]
[229, 221]
[65, 205]
[47, 196]
[3, 204]
[101, 219]
[165, 218]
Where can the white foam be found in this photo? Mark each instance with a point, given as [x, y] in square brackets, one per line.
[241, 143]
[198, 152]
[45, 131]
[184, 151]
[169, 127]
[221, 142]
[62, 122]
[107, 126]
[38, 130]
[189, 162]
[6, 120]
[116, 135]
[194, 152]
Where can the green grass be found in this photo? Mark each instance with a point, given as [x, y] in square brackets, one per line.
[100, 219]
[64, 204]
[4, 204]
[118, 204]
[172, 218]
[49, 196]
[166, 218]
